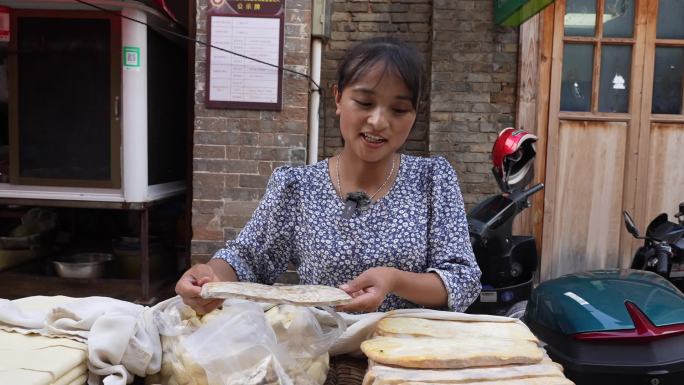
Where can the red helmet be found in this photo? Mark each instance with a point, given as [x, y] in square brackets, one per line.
[512, 157]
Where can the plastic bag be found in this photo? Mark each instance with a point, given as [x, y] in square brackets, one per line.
[242, 344]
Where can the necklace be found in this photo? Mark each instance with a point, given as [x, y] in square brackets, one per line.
[358, 199]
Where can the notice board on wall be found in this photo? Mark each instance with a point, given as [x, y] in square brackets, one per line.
[248, 29]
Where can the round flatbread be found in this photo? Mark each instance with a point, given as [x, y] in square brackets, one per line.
[302, 295]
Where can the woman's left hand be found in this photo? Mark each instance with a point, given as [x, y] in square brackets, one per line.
[369, 289]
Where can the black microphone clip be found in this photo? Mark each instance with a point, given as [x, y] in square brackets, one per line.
[358, 200]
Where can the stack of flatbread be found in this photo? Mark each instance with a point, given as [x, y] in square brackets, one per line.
[409, 350]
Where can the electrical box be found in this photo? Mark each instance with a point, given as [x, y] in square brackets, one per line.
[320, 18]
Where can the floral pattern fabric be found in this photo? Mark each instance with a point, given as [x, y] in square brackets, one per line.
[419, 226]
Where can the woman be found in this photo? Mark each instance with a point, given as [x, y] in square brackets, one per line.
[389, 229]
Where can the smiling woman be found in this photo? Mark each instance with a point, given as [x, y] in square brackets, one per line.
[389, 229]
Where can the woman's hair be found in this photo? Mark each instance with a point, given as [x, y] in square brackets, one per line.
[396, 55]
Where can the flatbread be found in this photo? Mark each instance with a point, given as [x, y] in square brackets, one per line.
[454, 329]
[389, 375]
[518, 381]
[450, 353]
[302, 295]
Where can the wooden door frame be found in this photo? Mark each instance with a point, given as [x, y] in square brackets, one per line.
[642, 189]
[532, 112]
[549, 64]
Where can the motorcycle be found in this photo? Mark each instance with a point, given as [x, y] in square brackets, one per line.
[508, 262]
[663, 249]
[618, 326]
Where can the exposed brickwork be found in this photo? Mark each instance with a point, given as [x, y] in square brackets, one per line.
[474, 71]
[235, 151]
[356, 20]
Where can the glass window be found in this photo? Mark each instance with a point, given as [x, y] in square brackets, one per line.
[667, 80]
[576, 82]
[64, 98]
[618, 18]
[670, 19]
[580, 18]
[616, 62]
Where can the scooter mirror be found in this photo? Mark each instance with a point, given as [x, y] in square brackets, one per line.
[630, 225]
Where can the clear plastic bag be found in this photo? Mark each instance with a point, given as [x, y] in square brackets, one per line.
[240, 344]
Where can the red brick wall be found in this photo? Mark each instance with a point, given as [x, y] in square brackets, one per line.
[235, 151]
[474, 72]
[353, 21]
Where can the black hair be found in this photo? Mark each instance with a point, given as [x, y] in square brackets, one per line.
[397, 56]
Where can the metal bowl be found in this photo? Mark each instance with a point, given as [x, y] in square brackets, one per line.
[82, 265]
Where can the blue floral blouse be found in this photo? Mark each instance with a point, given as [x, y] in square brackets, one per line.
[419, 226]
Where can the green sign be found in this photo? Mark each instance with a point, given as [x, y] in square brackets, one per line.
[131, 57]
[512, 13]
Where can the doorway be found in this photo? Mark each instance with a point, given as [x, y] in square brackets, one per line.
[616, 128]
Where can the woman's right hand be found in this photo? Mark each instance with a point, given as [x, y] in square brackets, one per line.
[190, 285]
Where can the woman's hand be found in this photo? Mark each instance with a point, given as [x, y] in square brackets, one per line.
[190, 285]
[369, 289]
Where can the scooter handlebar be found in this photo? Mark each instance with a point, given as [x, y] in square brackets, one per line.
[515, 206]
[530, 191]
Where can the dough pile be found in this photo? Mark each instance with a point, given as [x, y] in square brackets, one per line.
[179, 367]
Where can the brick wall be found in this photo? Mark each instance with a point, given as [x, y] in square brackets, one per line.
[235, 151]
[356, 20]
[474, 71]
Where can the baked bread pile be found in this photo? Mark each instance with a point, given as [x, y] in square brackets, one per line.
[413, 351]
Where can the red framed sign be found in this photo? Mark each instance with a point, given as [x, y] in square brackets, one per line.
[248, 29]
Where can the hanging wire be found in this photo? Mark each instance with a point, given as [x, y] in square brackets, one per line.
[186, 37]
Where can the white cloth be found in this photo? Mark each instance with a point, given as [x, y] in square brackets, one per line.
[37, 360]
[121, 337]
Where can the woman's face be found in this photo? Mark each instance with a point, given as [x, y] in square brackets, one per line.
[376, 114]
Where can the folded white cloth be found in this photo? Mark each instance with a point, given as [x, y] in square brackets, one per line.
[76, 376]
[38, 360]
[121, 337]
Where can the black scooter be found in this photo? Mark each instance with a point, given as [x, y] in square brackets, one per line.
[508, 262]
[663, 249]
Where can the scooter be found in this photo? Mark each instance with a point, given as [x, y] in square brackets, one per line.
[508, 262]
[663, 249]
[617, 326]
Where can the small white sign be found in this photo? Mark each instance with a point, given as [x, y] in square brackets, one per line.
[618, 82]
[677, 270]
[488, 296]
[235, 78]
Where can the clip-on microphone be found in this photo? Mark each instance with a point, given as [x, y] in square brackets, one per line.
[358, 200]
